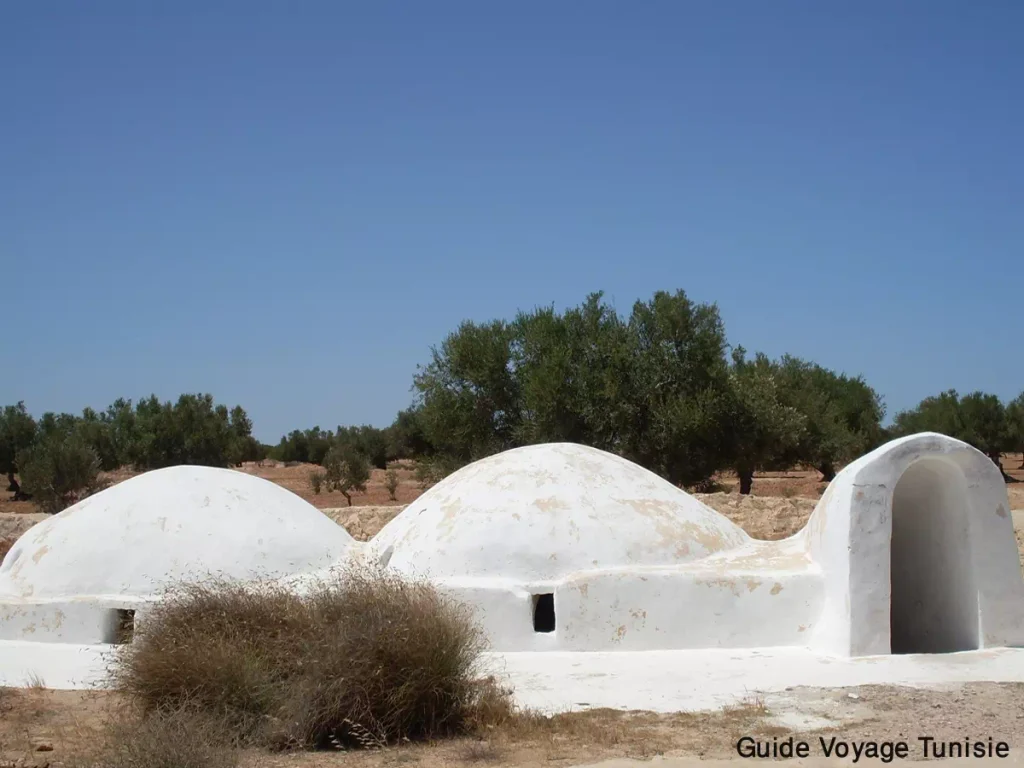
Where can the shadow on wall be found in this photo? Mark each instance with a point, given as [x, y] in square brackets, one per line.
[934, 598]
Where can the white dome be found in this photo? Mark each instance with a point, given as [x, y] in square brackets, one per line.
[544, 511]
[168, 525]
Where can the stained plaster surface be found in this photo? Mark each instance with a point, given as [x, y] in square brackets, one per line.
[168, 525]
[542, 512]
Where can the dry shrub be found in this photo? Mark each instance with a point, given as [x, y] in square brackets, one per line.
[363, 660]
[172, 739]
[216, 647]
[398, 663]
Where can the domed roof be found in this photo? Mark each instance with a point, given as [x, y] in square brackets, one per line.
[544, 511]
[167, 525]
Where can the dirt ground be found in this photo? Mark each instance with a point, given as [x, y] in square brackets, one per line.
[40, 728]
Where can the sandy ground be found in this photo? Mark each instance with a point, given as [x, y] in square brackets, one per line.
[66, 723]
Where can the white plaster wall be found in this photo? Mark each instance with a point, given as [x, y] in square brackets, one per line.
[673, 609]
[170, 525]
[766, 594]
[545, 511]
[850, 531]
[85, 621]
[503, 531]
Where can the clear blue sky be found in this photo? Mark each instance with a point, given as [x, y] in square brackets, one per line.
[287, 204]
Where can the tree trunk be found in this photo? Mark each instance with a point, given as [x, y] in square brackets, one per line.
[15, 487]
[828, 472]
[997, 459]
[746, 480]
[347, 498]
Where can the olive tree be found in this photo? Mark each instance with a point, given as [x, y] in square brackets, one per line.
[17, 433]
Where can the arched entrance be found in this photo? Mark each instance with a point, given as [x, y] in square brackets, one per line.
[933, 596]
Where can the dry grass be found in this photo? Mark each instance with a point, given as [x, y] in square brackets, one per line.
[35, 683]
[175, 739]
[481, 752]
[363, 661]
[123, 738]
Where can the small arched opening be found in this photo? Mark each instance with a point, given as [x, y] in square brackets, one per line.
[933, 596]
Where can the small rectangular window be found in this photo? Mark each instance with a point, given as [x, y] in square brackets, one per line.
[121, 626]
[544, 613]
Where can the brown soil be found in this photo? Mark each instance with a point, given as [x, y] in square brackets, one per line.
[296, 480]
[40, 728]
[793, 484]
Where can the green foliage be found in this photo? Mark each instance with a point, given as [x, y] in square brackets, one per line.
[56, 425]
[17, 432]
[122, 431]
[678, 386]
[759, 428]
[978, 418]
[391, 484]
[345, 470]
[573, 371]
[842, 415]
[308, 446]
[151, 435]
[469, 394]
[938, 413]
[985, 425]
[369, 441]
[649, 388]
[98, 435]
[194, 430]
[654, 386]
[1015, 422]
[58, 470]
[434, 469]
[406, 438]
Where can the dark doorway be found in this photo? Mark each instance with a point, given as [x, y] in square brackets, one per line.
[933, 604]
[120, 627]
[544, 613]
